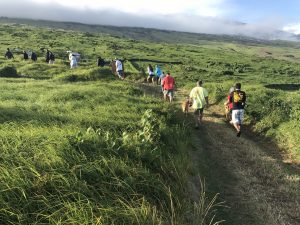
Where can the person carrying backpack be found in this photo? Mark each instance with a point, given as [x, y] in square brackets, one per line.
[238, 99]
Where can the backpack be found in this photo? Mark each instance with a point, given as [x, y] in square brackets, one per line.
[238, 97]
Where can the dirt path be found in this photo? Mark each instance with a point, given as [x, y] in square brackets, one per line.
[252, 179]
[257, 186]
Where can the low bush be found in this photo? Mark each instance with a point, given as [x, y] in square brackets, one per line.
[8, 71]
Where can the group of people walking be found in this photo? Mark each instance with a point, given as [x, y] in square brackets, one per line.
[32, 55]
[198, 97]
[236, 102]
[49, 58]
[166, 81]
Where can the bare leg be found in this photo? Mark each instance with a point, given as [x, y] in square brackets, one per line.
[238, 129]
[200, 117]
[196, 121]
[165, 97]
[170, 98]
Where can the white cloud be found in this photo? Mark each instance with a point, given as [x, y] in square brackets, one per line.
[145, 7]
[292, 28]
[198, 16]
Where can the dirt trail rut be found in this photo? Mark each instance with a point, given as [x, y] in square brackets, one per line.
[256, 185]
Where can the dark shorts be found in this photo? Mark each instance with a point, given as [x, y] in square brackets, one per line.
[169, 93]
[120, 73]
[198, 112]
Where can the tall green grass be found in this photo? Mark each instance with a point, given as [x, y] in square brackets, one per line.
[89, 153]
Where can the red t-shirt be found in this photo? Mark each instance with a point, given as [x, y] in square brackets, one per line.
[168, 83]
[230, 103]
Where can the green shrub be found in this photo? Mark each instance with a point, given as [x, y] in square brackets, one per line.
[227, 72]
[8, 71]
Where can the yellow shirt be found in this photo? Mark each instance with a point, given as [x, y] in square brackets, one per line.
[198, 94]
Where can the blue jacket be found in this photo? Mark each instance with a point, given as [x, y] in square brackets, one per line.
[157, 71]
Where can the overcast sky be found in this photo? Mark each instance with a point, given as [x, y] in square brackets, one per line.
[258, 18]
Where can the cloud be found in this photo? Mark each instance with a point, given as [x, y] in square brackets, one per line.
[292, 28]
[179, 20]
[143, 7]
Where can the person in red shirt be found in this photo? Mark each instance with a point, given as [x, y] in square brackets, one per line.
[229, 105]
[168, 84]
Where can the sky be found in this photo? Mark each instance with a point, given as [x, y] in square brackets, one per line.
[269, 19]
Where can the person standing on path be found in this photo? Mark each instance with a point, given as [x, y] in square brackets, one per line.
[199, 98]
[168, 84]
[238, 99]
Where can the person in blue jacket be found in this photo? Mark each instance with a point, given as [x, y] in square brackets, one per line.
[158, 73]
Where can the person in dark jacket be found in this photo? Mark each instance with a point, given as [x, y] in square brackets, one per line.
[100, 62]
[33, 56]
[9, 54]
[25, 55]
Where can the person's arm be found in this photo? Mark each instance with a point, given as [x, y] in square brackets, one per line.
[191, 96]
[244, 99]
[163, 83]
[206, 99]
[228, 101]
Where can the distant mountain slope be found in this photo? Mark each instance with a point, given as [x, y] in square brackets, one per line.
[147, 34]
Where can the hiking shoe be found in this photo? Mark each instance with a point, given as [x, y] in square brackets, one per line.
[238, 134]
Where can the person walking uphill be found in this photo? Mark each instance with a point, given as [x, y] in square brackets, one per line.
[73, 61]
[47, 56]
[150, 78]
[168, 84]
[199, 97]
[158, 74]
[228, 105]
[238, 99]
[25, 55]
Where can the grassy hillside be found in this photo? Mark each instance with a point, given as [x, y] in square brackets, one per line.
[146, 34]
[79, 146]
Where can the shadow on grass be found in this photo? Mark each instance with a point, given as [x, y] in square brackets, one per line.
[284, 87]
[8, 114]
